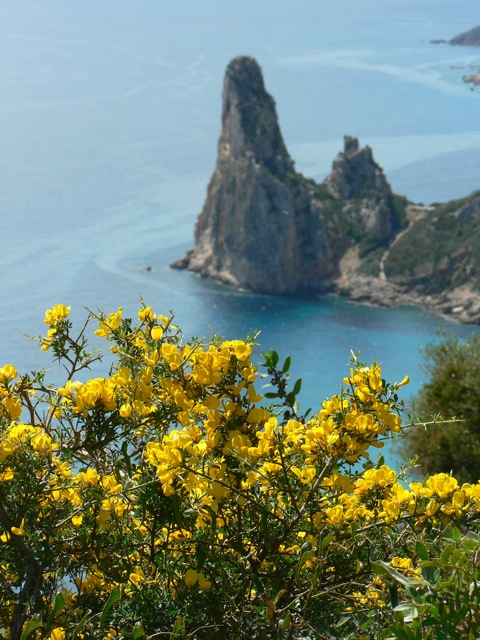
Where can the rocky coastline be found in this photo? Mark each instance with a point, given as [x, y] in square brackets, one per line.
[266, 228]
[460, 305]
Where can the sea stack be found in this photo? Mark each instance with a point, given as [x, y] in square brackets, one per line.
[261, 228]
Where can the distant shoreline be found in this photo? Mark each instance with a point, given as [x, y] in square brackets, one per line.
[460, 305]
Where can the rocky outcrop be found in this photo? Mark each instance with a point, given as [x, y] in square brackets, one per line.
[354, 170]
[474, 78]
[470, 38]
[356, 176]
[266, 228]
[260, 229]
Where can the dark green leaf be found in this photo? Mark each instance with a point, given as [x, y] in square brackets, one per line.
[421, 550]
[81, 624]
[114, 596]
[297, 387]
[286, 364]
[57, 608]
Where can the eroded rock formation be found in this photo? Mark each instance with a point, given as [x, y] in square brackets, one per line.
[266, 228]
[260, 229]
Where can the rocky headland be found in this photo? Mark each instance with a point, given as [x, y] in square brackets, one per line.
[470, 38]
[266, 228]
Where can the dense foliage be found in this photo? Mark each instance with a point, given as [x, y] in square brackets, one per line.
[169, 500]
[452, 390]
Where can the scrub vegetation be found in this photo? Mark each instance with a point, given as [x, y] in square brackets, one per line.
[184, 495]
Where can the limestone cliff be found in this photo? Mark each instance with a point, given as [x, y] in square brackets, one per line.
[369, 202]
[266, 228]
[260, 229]
[355, 170]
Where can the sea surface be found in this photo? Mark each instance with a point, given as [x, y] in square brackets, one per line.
[109, 121]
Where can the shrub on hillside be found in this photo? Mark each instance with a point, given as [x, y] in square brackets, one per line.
[171, 499]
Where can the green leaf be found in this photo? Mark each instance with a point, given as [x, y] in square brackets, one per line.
[384, 569]
[57, 608]
[114, 596]
[30, 626]
[470, 545]
[324, 542]
[81, 624]
[284, 625]
[307, 553]
[297, 387]
[270, 394]
[421, 550]
[456, 534]
[271, 358]
[286, 364]
[138, 631]
[312, 578]
[447, 552]
[178, 627]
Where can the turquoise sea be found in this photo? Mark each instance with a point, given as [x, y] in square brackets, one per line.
[109, 120]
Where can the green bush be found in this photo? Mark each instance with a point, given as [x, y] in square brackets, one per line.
[173, 498]
[451, 391]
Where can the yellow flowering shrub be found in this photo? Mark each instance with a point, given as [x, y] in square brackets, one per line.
[174, 498]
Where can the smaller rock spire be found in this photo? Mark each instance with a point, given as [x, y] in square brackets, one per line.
[355, 170]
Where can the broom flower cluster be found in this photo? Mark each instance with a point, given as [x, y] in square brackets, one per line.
[175, 495]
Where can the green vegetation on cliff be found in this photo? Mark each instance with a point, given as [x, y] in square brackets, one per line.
[440, 250]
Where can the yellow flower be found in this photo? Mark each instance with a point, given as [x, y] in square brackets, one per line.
[441, 484]
[335, 515]
[8, 373]
[145, 314]
[137, 576]
[111, 484]
[171, 354]
[107, 326]
[57, 314]
[90, 476]
[193, 577]
[57, 634]
[6, 475]
[157, 333]
[18, 531]
[406, 380]
[305, 475]
[77, 520]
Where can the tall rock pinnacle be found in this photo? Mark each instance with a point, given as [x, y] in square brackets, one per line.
[249, 119]
[260, 228]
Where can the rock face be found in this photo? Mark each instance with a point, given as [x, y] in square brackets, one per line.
[260, 229]
[266, 228]
[354, 171]
[356, 176]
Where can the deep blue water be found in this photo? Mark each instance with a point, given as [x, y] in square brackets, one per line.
[109, 120]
